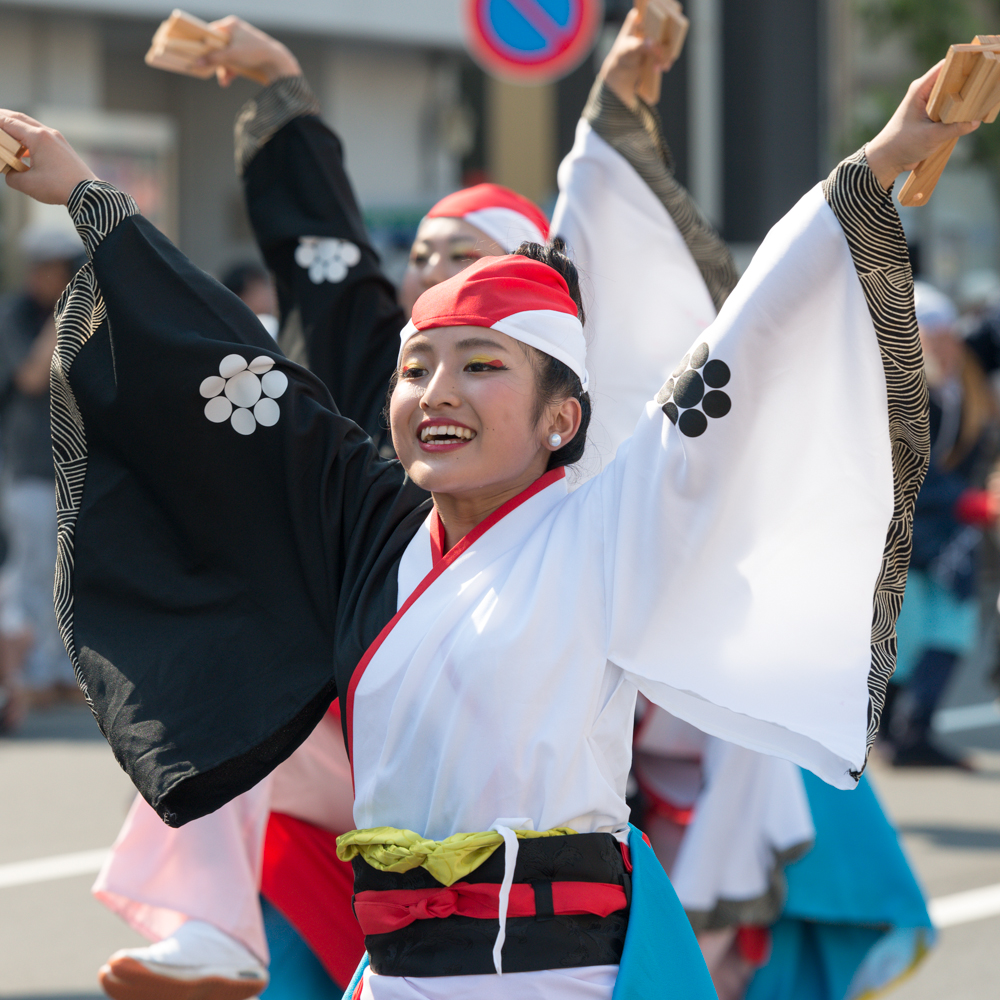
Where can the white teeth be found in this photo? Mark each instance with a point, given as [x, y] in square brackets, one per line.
[446, 430]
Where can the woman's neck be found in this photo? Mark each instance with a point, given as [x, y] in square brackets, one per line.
[460, 513]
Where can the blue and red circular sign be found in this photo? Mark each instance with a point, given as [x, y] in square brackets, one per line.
[532, 41]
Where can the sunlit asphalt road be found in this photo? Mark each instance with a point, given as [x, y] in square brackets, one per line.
[62, 793]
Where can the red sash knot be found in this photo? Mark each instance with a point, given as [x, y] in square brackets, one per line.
[380, 912]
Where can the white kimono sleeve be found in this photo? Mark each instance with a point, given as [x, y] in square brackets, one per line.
[759, 518]
[642, 289]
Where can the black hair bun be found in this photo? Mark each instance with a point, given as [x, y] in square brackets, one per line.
[554, 254]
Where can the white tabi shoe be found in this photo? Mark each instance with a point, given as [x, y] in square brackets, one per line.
[199, 962]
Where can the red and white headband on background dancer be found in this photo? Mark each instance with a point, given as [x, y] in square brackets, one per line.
[503, 215]
[523, 298]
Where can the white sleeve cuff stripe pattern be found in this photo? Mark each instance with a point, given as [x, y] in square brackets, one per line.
[96, 207]
[875, 236]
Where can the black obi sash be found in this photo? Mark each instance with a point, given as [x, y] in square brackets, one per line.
[458, 945]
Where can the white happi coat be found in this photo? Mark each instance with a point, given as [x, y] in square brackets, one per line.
[729, 577]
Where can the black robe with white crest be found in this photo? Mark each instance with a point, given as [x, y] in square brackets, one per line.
[339, 314]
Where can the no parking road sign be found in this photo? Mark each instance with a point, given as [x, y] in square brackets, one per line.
[532, 41]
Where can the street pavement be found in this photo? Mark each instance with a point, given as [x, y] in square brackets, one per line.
[950, 825]
[63, 793]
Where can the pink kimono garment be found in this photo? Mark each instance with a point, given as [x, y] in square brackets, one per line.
[158, 877]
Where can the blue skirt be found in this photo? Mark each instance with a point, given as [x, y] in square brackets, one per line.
[296, 973]
[932, 618]
[855, 921]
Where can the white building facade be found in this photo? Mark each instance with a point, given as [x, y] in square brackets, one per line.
[386, 73]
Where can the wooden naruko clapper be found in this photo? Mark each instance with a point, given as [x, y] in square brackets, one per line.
[967, 90]
[181, 40]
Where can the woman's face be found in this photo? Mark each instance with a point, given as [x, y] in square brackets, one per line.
[463, 413]
[443, 247]
[943, 352]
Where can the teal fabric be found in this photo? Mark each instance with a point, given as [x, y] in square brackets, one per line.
[661, 958]
[359, 972]
[856, 872]
[812, 961]
[851, 899]
[932, 618]
[296, 973]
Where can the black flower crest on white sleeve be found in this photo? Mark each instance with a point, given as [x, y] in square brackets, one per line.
[693, 393]
[244, 394]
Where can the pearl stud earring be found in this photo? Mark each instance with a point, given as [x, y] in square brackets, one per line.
[555, 440]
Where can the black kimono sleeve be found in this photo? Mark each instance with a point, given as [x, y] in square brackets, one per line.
[339, 312]
[216, 517]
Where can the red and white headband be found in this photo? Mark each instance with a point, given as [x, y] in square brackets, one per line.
[523, 298]
[503, 215]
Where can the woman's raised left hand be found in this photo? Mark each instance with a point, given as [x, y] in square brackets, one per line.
[911, 135]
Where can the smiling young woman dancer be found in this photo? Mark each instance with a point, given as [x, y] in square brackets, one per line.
[194, 891]
[488, 645]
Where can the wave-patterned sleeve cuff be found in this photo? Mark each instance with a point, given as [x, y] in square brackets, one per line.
[638, 136]
[273, 108]
[875, 235]
[96, 207]
[877, 243]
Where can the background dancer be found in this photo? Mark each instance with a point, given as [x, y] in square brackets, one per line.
[35, 669]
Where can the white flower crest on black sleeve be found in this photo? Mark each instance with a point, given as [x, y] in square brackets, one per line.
[326, 259]
[244, 394]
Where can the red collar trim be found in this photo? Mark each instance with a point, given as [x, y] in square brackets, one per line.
[437, 538]
[441, 563]
[437, 527]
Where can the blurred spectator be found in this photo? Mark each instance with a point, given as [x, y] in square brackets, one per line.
[254, 285]
[940, 616]
[36, 669]
[978, 293]
[984, 341]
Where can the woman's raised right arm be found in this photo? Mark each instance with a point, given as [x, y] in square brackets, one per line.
[775, 475]
[211, 500]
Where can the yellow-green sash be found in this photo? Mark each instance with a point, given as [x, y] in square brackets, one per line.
[391, 850]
